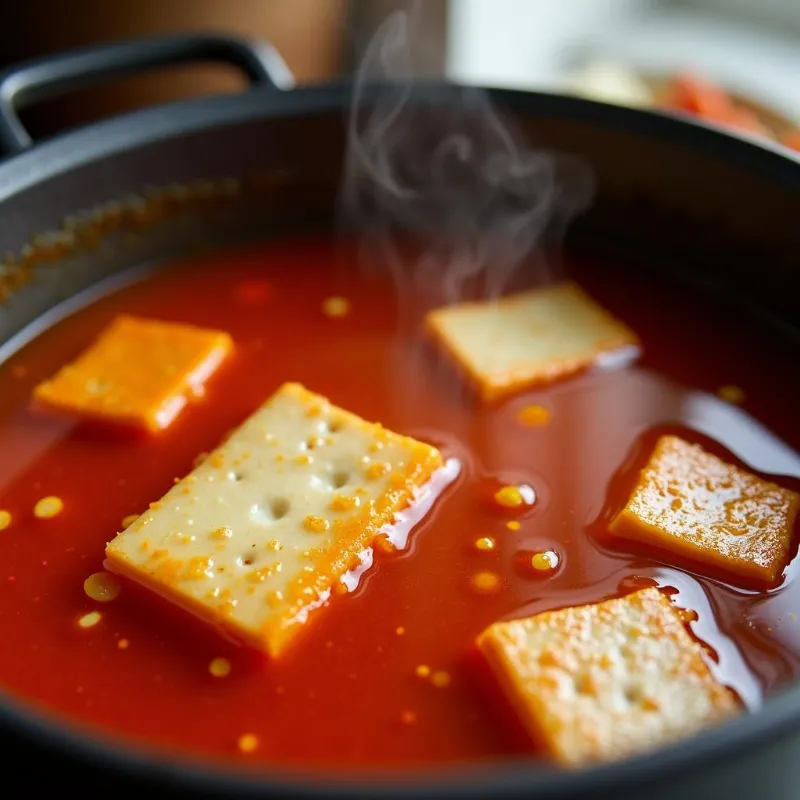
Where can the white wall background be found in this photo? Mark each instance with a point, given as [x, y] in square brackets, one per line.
[753, 46]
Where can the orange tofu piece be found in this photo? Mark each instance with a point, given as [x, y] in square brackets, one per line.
[602, 682]
[690, 502]
[138, 373]
[530, 338]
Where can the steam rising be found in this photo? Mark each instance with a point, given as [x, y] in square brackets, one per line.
[441, 167]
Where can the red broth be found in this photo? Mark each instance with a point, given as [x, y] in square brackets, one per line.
[347, 694]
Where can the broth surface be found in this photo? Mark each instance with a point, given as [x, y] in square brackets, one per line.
[346, 694]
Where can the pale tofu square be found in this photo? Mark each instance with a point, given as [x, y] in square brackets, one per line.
[603, 682]
[263, 531]
[531, 338]
[691, 503]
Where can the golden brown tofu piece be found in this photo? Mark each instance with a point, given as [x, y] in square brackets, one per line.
[602, 682]
[138, 373]
[690, 502]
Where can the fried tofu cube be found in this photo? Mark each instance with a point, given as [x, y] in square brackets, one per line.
[691, 503]
[138, 373]
[257, 537]
[603, 682]
[532, 338]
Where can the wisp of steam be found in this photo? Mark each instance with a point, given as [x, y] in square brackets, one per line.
[441, 166]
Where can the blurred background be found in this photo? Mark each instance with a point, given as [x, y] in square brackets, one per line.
[734, 61]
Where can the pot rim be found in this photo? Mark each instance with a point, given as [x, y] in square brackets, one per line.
[106, 138]
[781, 712]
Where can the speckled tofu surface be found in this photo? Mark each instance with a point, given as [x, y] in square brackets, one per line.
[530, 338]
[138, 373]
[259, 534]
[602, 682]
[690, 502]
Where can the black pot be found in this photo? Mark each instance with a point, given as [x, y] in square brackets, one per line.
[720, 210]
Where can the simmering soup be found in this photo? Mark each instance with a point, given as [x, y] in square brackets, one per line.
[396, 658]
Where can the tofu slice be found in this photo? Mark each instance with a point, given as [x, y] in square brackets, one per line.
[602, 682]
[259, 534]
[691, 503]
[532, 338]
[138, 373]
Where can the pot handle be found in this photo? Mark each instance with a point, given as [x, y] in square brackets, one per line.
[48, 77]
